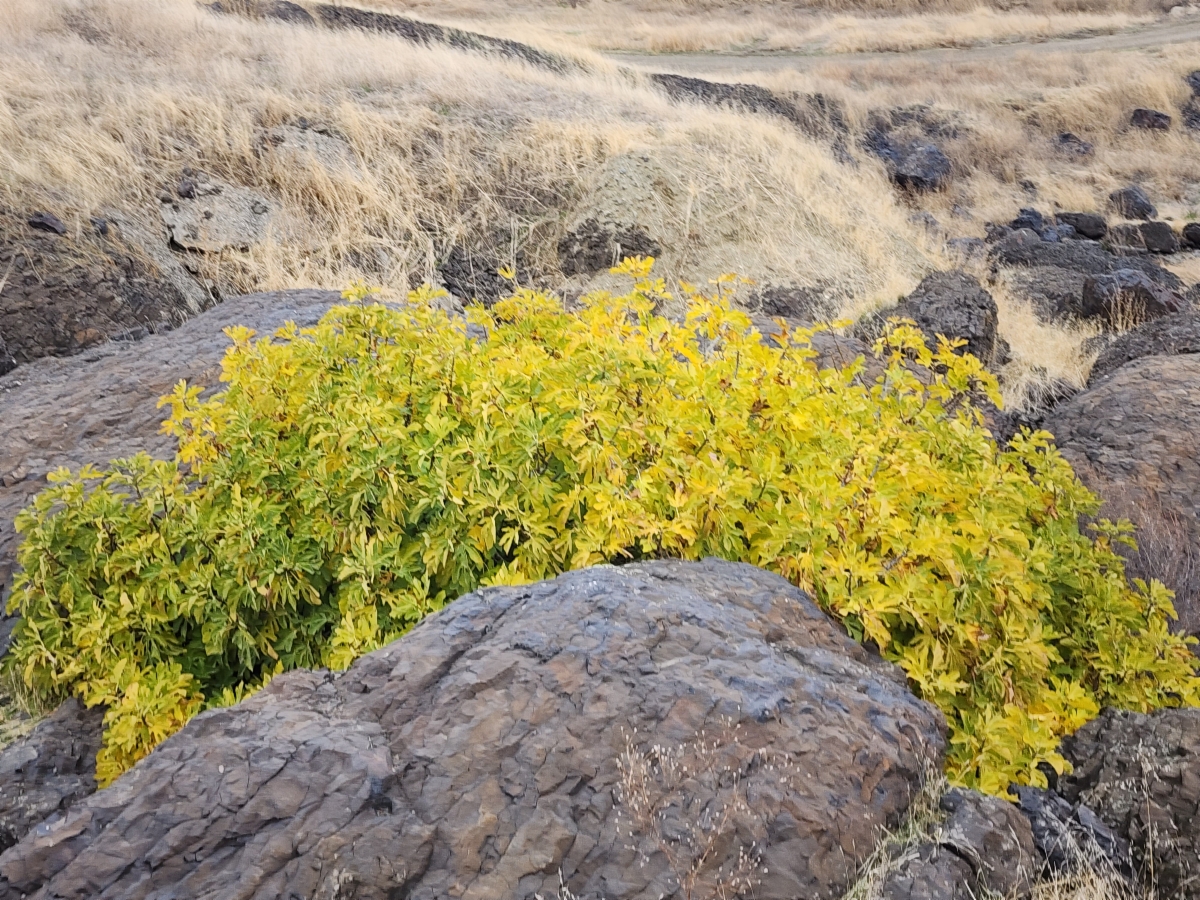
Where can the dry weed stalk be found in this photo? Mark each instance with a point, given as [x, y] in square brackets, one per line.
[688, 803]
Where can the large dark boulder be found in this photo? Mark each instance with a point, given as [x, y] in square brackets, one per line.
[916, 165]
[1132, 203]
[1053, 292]
[1126, 298]
[1070, 837]
[952, 304]
[1141, 775]
[48, 770]
[1166, 336]
[1137, 430]
[1159, 237]
[1191, 235]
[478, 757]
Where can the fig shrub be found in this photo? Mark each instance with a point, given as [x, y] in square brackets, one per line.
[356, 476]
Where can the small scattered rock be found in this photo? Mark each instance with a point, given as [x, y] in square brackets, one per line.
[1125, 298]
[1159, 237]
[1089, 225]
[101, 225]
[1133, 203]
[1165, 336]
[1191, 235]
[45, 221]
[1074, 145]
[1028, 218]
[1150, 119]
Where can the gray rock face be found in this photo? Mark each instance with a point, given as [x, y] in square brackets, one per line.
[985, 847]
[478, 756]
[212, 216]
[1159, 237]
[1026, 249]
[48, 770]
[1126, 297]
[100, 405]
[952, 304]
[1132, 203]
[1069, 837]
[1141, 774]
[1138, 428]
[1167, 336]
[1052, 291]
[1089, 225]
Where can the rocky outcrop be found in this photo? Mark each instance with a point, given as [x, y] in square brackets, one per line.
[1167, 336]
[1159, 237]
[1089, 225]
[1139, 773]
[1132, 203]
[1138, 428]
[952, 304]
[1070, 836]
[592, 247]
[48, 770]
[478, 756]
[1026, 249]
[65, 293]
[102, 404]
[1125, 298]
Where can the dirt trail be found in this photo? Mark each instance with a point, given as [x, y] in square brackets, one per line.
[1149, 37]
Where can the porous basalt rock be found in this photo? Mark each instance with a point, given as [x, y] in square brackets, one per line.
[1166, 336]
[1127, 296]
[63, 295]
[1089, 225]
[1132, 203]
[1026, 249]
[49, 769]
[1139, 773]
[1138, 428]
[477, 756]
[952, 304]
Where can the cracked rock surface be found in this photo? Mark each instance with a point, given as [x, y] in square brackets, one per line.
[477, 756]
[1137, 427]
[1141, 776]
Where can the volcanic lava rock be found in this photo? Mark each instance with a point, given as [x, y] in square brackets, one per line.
[477, 757]
[1132, 203]
[952, 304]
[1166, 336]
[1139, 773]
[1159, 237]
[49, 769]
[1126, 297]
[1089, 225]
[1137, 428]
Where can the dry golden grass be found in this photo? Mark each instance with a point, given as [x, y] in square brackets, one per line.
[1008, 113]
[108, 100]
[627, 25]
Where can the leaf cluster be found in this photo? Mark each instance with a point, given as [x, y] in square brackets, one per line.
[355, 476]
